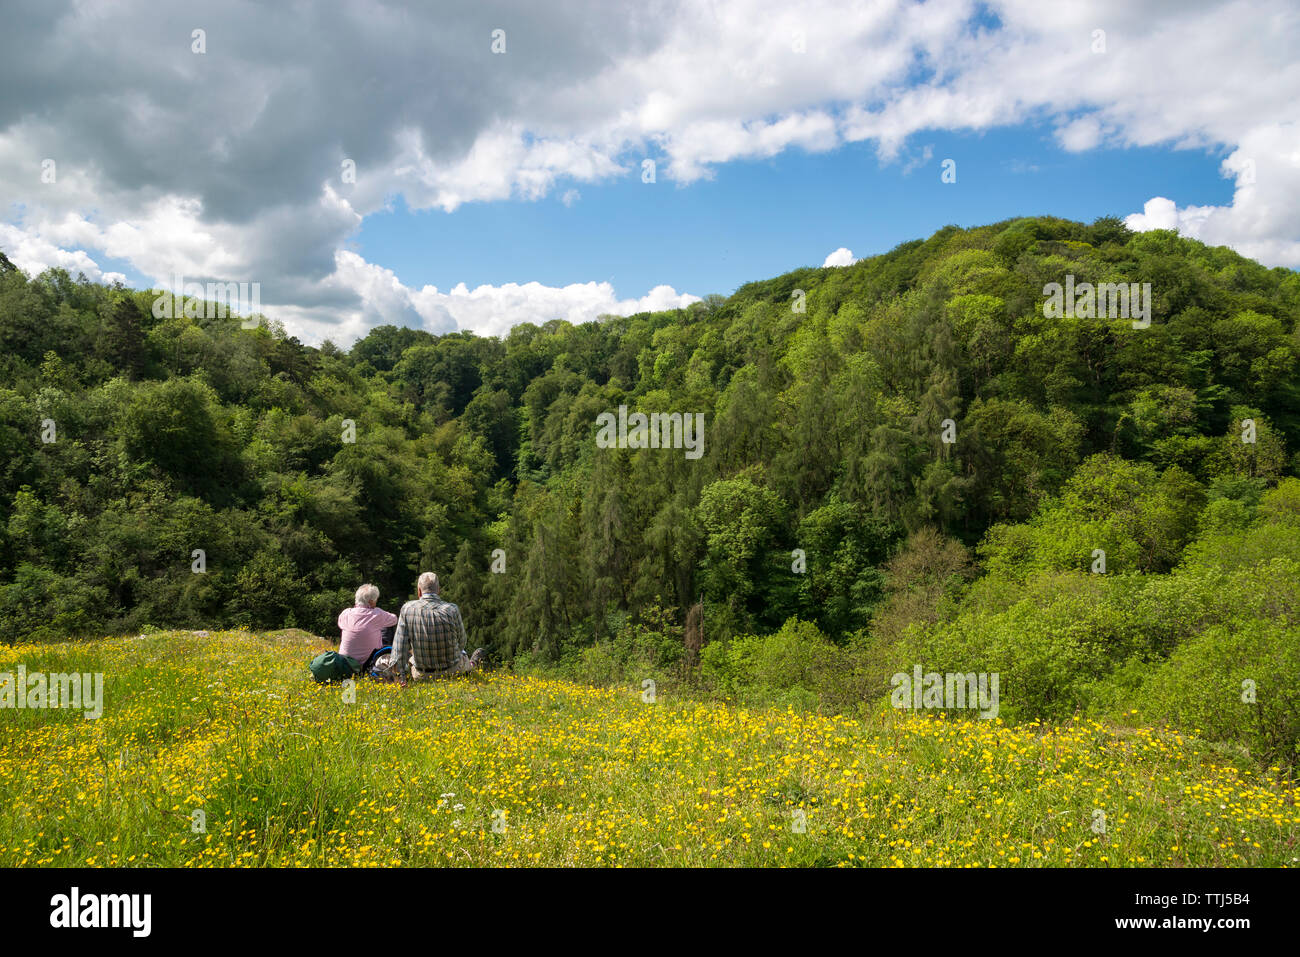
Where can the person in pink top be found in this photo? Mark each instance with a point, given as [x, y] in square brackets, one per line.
[363, 625]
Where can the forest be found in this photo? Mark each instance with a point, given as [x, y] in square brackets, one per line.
[906, 460]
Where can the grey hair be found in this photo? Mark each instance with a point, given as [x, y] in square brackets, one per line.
[427, 583]
[367, 594]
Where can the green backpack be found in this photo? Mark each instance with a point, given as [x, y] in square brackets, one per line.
[332, 666]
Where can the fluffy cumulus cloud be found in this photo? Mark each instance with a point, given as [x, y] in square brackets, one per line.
[841, 257]
[34, 253]
[1261, 221]
[229, 164]
[492, 310]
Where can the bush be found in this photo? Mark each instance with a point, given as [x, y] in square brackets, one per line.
[1045, 650]
[40, 605]
[1202, 688]
[649, 647]
[1274, 535]
[797, 666]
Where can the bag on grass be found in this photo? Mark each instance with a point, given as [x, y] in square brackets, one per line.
[332, 666]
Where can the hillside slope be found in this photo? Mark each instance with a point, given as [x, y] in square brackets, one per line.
[524, 771]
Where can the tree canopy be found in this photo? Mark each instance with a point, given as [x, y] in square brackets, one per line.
[847, 411]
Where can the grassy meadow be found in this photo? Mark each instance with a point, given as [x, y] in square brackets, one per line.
[502, 769]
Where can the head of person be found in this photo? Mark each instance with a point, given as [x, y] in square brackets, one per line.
[427, 584]
[367, 596]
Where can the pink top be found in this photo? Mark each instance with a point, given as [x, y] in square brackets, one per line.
[362, 630]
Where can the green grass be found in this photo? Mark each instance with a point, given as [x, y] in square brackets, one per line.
[527, 771]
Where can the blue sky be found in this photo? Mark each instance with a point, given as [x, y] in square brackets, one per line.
[757, 219]
[499, 185]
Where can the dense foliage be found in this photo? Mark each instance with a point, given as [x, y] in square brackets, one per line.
[825, 394]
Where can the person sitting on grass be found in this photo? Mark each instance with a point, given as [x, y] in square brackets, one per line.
[430, 640]
[363, 625]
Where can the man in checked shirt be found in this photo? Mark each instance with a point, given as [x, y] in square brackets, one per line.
[430, 639]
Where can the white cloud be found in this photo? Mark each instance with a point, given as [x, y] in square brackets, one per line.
[841, 257]
[1259, 223]
[920, 160]
[486, 310]
[492, 310]
[500, 164]
[34, 254]
[1085, 133]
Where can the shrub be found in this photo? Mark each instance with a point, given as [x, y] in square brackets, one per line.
[1203, 688]
[648, 647]
[797, 666]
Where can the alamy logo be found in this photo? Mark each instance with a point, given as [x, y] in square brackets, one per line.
[214, 300]
[658, 430]
[953, 691]
[1109, 300]
[55, 690]
[102, 910]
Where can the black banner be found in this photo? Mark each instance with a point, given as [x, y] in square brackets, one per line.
[250, 908]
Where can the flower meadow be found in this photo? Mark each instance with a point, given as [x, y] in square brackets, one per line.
[218, 750]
